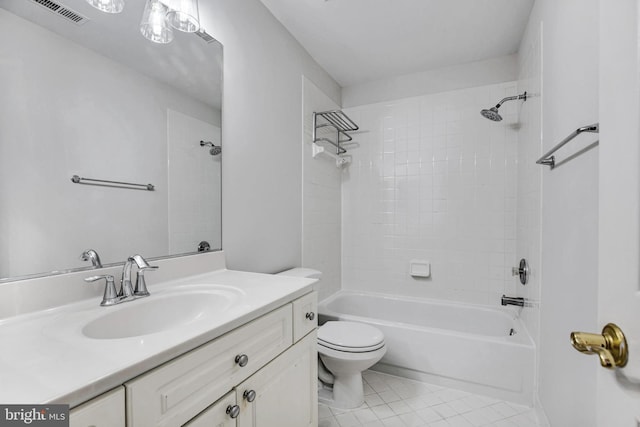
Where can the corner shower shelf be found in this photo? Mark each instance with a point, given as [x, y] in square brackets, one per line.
[335, 121]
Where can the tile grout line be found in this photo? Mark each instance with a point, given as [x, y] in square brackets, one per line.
[400, 402]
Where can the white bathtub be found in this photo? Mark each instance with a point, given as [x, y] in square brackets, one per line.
[475, 348]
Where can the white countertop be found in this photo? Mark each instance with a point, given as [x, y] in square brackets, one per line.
[45, 358]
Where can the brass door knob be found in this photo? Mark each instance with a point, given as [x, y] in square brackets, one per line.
[610, 346]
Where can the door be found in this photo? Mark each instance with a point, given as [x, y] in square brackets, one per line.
[285, 392]
[618, 391]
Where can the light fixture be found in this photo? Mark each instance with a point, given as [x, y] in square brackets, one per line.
[159, 17]
[109, 6]
[154, 25]
[183, 15]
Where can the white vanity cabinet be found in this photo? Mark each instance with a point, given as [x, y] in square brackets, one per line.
[106, 410]
[283, 393]
[193, 388]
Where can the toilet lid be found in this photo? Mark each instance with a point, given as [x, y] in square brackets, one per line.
[350, 336]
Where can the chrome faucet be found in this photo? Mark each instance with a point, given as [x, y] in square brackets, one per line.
[126, 287]
[512, 301]
[110, 296]
[126, 292]
[141, 285]
[91, 255]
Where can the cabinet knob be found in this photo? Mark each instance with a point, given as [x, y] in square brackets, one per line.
[233, 411]
[242, 360]
[310, 315]
[249, 395]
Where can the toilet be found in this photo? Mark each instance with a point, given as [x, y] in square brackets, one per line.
[345, 350]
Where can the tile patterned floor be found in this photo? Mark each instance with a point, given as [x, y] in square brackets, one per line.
[399, 402]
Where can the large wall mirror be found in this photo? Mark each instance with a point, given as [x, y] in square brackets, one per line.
[97, 100]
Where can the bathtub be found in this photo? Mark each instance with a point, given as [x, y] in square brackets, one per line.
[475, 348]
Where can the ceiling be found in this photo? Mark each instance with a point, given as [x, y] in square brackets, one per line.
[188, 63]
[363, 40]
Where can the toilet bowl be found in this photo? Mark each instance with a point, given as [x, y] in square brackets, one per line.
[345, 350]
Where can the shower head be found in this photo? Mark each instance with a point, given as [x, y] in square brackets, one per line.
[492, 113]
[215, 149]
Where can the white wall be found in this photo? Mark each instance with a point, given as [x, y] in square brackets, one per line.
[618, 391]
[569, 206]
[322, 216]
[52, 126]
[262, 101]
[472, 74]
[432, 179]
[528, 213]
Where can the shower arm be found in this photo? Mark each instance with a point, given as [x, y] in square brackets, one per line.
[511, 98]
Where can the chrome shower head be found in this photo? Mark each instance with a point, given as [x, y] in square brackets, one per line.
[215, 149]
[492, 113]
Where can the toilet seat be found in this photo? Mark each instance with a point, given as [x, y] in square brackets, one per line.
[350, 349]
[350, 337]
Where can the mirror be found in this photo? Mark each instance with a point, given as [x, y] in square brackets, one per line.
[86, 94]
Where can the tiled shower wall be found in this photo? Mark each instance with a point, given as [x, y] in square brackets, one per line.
[433, 180]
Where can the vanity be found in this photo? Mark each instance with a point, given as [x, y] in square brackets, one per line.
[238, 349]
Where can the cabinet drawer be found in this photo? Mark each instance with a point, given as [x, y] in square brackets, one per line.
[216, 414]
[106, 410]
[172, 394]
[305, 315]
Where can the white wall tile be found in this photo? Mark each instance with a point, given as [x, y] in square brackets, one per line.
[445, 190]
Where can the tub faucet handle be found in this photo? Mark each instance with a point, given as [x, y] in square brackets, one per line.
[522, 271]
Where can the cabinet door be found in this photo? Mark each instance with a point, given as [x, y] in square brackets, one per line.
[305, 315]
[216, 415]
[106, 410]
[286, 390]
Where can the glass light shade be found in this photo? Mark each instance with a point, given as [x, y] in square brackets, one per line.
[109, 6]
[154, 24]
[183, 15]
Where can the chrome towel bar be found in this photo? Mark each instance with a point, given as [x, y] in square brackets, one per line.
[549, 160]
[117, 184]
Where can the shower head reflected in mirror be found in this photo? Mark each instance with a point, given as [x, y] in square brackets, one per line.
[492, 113]
[215, 149]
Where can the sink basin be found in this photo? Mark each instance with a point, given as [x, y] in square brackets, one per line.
[159, 313]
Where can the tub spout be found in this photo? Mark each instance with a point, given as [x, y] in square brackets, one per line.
[512, 301]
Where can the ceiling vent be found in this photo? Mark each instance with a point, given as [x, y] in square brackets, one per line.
[205, 36]
[62, 11]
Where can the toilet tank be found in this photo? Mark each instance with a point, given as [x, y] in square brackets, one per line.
[308, 273]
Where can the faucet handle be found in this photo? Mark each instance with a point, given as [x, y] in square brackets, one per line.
[110, 296]
[141, 285]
